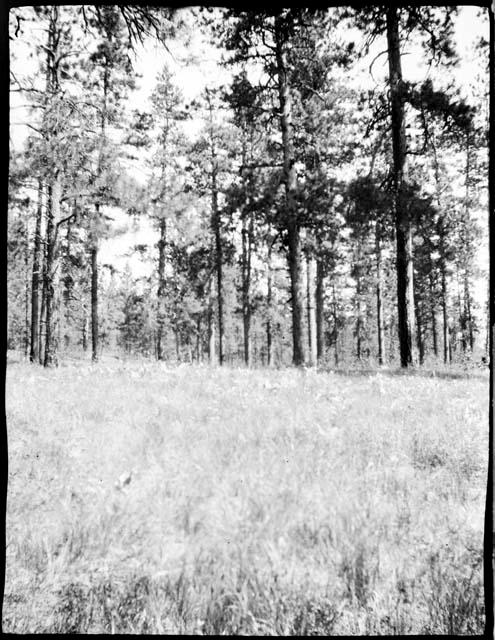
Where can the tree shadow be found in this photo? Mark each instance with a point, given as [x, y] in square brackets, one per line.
[416, 372]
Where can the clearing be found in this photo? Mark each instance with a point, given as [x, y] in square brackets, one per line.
[149, 499]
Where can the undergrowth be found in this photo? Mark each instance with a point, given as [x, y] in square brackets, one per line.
[150, 499]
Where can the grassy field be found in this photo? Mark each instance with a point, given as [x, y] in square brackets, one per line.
[260, 502]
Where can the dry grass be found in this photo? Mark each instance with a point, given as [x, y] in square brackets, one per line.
[276, 502]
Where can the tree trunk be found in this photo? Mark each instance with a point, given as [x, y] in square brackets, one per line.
[358, 320]
[311, 309]
[419, 333]
[269, 296]
[42, 330]
[199, 350]
[433, 312]
[379, 299]
[488, 321]
[35, 280]
[67, 283]
[320, 288]
[335, 324]
[468, 329]
[467, 311]
[218, 262]
[95, 231]
[27, 282]
[461, 309]
[292, 224]
[52, 274]
[211, 336]
[85, 331]
[50, 292]
[446, 334]
[162, 243]
[177, 344]
[391, 344]
[405, 292]
[247, 241]
[94, 294]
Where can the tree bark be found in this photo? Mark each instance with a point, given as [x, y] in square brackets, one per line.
[211, 336]
[27, 282]
[335, 324]
[52, 274]
[162, 243]
[35, 280]
[95, 240]
[320, 282]
[85, 331]
[467, 311]
[359, 318]
[247, 242]
[391, 343]
[461, 312]
[94, 292]
[419, 333]
[199, 350]
[379, 298]
[42, 329]
[405, 292]
[433, 311]
[292, 224]
[67, 283]
[218, 260]
[311, 308]
[446, 334]
[177, 344]
[269, 296]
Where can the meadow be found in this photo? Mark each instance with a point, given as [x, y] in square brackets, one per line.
[145, 498]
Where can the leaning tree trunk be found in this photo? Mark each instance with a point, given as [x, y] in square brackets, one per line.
[162, 242]
[292, 224]
[35, 281]
[52, 274]
[403, 232]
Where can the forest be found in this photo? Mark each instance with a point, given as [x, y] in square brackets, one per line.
[303, 199]
[301, 196]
